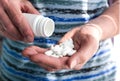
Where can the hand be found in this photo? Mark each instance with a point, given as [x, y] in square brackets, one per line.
[86, 41]
[36, 54]
[12, 23]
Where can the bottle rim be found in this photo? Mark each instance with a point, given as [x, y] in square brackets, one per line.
[48, 27]
[43, 27]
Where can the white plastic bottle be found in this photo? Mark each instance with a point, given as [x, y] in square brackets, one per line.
[41, 26]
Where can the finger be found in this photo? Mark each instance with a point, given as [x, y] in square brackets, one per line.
[52, 68]
[78, 67]
[76, 59]
[4, 32]
[32, 50]
[20, 22]
[37, 55]
[28, 52]
[38, 49]
[64, 62]
[47, 60]
[9, 30]
[28, 7]
[46, 67]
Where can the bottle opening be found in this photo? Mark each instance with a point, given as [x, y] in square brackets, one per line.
[49, 27]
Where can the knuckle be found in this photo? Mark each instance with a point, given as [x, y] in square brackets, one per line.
[17, 19]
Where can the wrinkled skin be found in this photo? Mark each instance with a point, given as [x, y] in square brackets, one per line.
[86, 43]
[13, 24]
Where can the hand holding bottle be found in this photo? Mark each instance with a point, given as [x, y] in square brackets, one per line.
[13, 24]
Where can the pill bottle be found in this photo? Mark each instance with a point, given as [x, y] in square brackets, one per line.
[41, 26]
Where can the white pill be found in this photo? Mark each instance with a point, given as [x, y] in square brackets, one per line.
[71, 52]
[49, 52]
[66, 51]
[55, 56]
[63, 49]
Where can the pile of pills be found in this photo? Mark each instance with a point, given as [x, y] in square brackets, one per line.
[61, 50]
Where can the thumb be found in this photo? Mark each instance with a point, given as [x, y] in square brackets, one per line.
[73, 61]
[29, 8]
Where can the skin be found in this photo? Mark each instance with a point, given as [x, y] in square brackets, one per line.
[13, 24]
[86, 38]
[86, 41]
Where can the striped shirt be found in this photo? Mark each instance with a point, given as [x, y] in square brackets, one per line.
[67, 14]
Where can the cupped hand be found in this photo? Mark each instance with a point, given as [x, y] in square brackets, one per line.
[86, 41]
[36, 55]
[12, 23]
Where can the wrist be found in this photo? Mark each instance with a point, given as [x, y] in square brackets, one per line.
[93, 30]
[105, 25]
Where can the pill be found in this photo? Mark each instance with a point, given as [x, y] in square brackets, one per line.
[63, 49]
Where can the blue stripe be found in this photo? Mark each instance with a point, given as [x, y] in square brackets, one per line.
[58, 19]
[101, 52]
[12, 53]
[26, 75]
[91, 76]
[46, 79]
[44, 40]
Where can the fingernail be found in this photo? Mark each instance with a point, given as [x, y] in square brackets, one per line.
[73, 64]
[28, 39]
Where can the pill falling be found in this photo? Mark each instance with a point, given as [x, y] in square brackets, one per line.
[63, 49]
